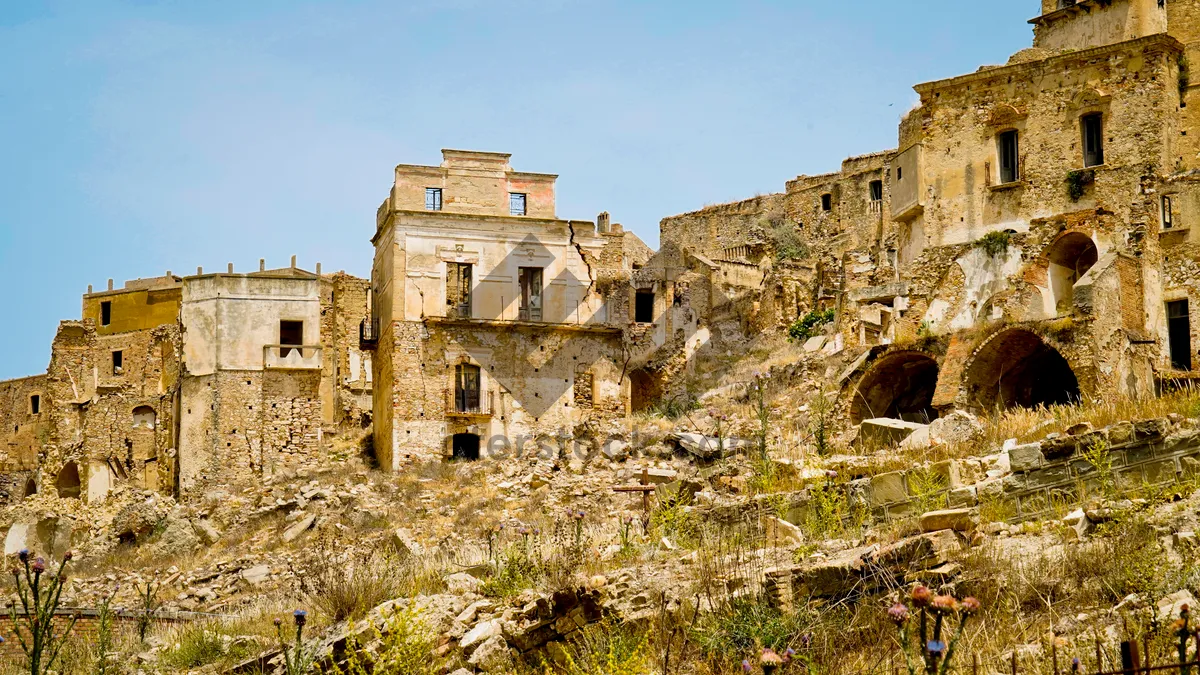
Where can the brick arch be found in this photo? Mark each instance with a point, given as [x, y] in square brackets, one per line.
[1068, 258]
[1017, 368]
[900, 385]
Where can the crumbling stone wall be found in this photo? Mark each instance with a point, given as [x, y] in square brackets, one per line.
[23, 432]
[347, 306]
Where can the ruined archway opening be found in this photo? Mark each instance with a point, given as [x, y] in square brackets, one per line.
[1069, 258]
[464, 447]
[898, 385]
[1016, 368]
[144, 417]
[67, 482]
[644, 390]
[30, 487]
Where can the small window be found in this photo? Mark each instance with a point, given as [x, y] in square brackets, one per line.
[827, 202]
[876, 188]
[1009, 151]
[1168, 220]
[433, 199]
[118, 362]
[516, 203]
[899, 173]
[643, 310]
[105, 312]
[1093, 139]
[35, 404]
[291, 334]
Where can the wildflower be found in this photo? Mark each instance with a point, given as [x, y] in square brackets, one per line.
[38, 566]
[23, 555]
[806, 641]
[921, 597]
[301, 617]
[831, 474]
[945, 604]
[898, 613]
[770, 658]
[970, 605]
[745, 665]
[68, 555]
[789, 655]
[278, 622]
[936, 647]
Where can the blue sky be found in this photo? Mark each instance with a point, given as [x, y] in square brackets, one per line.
[147, 135]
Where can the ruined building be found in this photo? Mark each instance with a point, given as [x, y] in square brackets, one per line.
[1028, 241]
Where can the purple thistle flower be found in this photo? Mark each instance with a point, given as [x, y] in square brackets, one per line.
[1076, 665]
[68, 555]
[300, 616]
[38, 566]
[898, 613]
[278, 622]
[745, 665]
[23, 555]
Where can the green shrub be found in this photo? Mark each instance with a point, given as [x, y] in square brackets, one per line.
[994, 243]
[203, 644]
[606, 648]
[789, 245]
[743, 624]
[1077, 182]
[810, 324]
[406, 648]
[515, 571]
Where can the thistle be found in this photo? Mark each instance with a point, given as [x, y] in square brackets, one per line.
[934, 651]
[296, 659]
[1184, 632]
[39, 594]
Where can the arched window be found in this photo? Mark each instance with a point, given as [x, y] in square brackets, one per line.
[1070, 257]
[67, 481]
[144, 417]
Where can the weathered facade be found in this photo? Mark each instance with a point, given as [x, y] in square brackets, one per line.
[493, 321]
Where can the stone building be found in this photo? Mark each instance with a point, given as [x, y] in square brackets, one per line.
[494, 322]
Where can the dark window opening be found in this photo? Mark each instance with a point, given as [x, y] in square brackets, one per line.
[433, 199]
[1093, 139]
[530, 280]
[291, 334]
[30, 487]
[67, 481]
[827, 202]
[465, 447]
[643, 309]
[118, 362]
[899, 173]
[876, 188]
[458, 290]
[105, 312]
[466, 388]
[1168, 220]
[35, 404]
[1009, 149]
[1179, 334]
[516, 203]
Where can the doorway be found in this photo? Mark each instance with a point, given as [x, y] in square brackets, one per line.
[1179, 334]
[465, 447]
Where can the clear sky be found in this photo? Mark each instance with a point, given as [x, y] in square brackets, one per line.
[139, 136]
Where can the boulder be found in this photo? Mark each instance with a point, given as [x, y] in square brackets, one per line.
[1026, 457]
[1077, 524]
[1168, 607]
[178, 537]
[704, 447]
[402, 542]
[298, 528]
[461, 582]
[917, 440]
[257, 575]
[884, 431]
[782, 533]
[956, 428]
[205, 530]
[481, 633]
[959, 520]
[135, 520]
[814, 344]
[492, 656]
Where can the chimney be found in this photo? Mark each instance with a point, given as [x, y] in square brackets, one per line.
[199, 270]
[89, 289]
[168, 274]
[110, 284]
[231, 268]
[602, 222]
[318, 269]
[262, 264]
[293, 262]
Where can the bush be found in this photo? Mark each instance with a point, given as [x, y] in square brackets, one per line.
[406, 646]
[1077, 182]
[607, 648]
[810, 324]
[789, 245]
[994, 243]
[350, 589]
[204, 644]
[743, 624]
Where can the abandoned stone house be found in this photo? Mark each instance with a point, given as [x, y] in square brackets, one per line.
[178, 383]
[1028, 241]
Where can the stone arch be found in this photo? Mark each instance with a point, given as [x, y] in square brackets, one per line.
[67, 482]
[30, 487]
[1070, 257]
[1016, 368]
[900, 385]
[465, 446]
[144, 417]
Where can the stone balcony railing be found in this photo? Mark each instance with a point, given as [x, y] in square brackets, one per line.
[292, 357]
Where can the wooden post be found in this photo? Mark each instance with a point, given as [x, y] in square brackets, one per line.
[1014, 661]
[1146, 652]
[1130, 660]
[643, 487]
[974, 664]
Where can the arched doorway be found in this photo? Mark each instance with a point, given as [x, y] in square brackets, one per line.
[1069, 258]
[67, 482]
[464, 446]
[1016, 368]
[144, 417]
[899, 385]
[30, 487]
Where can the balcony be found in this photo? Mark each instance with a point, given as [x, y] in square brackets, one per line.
[468, 404]
[292, 357]
[368, 334]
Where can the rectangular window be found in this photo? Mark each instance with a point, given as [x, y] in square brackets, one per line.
[530, 279]
[827, 202]
[466, 388]
[1179, 334]
[291, 333]
[876, 188]
[433, 199]
[516, 203]
[105, 313]
[458, 290]
[1093, 139]
[1009, 151]
[643, 309]
[1168, 220]
[35, 404]
[118, 362]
